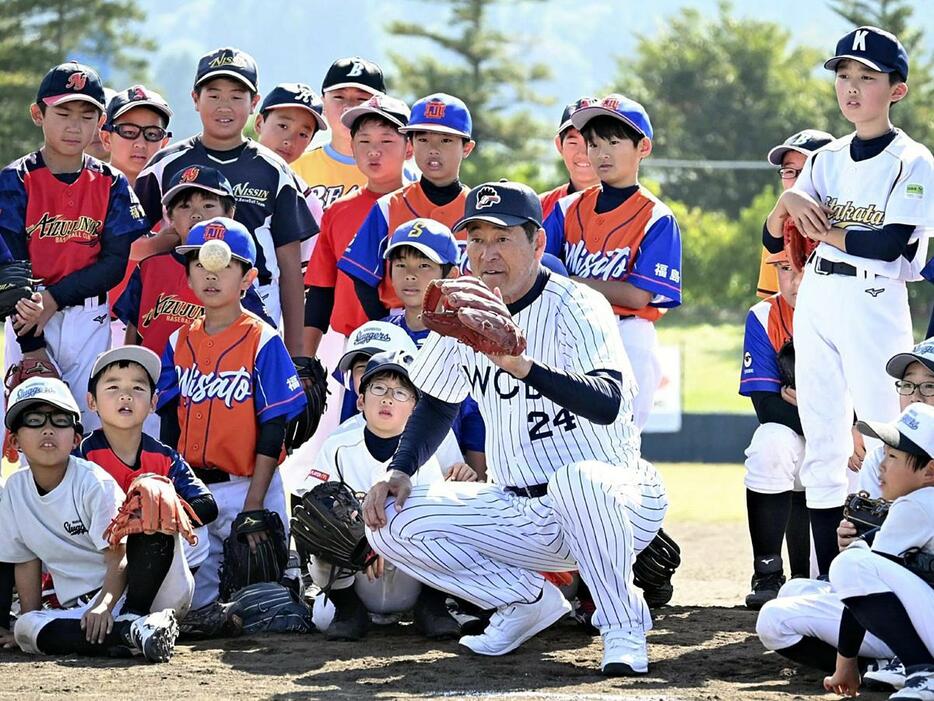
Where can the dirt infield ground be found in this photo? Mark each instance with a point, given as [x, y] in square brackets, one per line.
[704, 647]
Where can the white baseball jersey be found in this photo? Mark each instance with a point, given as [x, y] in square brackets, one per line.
[568, 327]
[894, 187]
[910, 524]
[64, 528]
[869, 472]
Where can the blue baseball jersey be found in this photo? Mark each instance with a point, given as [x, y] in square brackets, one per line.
[768, 327]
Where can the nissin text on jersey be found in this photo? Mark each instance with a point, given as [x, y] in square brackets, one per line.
[229, 386]
[244, 193]
[172, 306]
[504, 384]
[54, 226]
[847, 214]
[609, 265]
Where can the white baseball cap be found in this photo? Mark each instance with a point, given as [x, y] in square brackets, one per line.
[140, 355]
[375, 337]
[922, 353]
[41, 390]
[912, 433]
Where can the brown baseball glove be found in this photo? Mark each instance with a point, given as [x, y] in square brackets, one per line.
[797, 245]
[15, 376]
[153, 506]
[468, 310]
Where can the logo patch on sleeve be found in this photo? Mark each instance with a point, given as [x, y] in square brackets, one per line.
[914, 191]
[318, 475]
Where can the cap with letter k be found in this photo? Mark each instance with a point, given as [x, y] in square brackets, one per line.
[873, 47]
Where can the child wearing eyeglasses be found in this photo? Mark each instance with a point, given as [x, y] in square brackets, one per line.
[358, 457]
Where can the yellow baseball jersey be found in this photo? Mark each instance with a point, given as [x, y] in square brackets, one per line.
[328, 174]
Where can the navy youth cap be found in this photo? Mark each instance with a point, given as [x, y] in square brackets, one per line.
[231, 232]
[389, 361]
[354, 72]
[432, 238]
[873, 47]
[199, 178]
[389, 108]
[72, 82]
[501, 203]
[570, 109]
[441, 113]
[228, 63]
[804, 142]
[137, 96]
[619, 107]
[295, 95]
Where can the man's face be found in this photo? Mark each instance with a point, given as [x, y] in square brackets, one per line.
[287, 131]
[130, 155]
[504, 257]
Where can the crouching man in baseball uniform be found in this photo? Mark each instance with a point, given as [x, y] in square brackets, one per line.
[567, 489]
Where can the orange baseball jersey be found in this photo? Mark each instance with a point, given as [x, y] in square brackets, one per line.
[638, 242]
[769, 325]
[227, 384]
[550, 199]
[338, 225]
[768, 277]
[363, 258]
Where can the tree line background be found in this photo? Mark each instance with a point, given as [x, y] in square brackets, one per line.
[718, 88]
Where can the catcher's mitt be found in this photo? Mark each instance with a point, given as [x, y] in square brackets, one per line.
[654, 567]
[797, 245]
[314, 378]
[243, 566]
[16, 375]
[269, 607]
[328, 523]
[865, 513]
[152, 506]
[16, 283]
[920, 563]
[786, 363]
[467, 309]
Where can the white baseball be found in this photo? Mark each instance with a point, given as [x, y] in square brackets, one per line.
[214, 255]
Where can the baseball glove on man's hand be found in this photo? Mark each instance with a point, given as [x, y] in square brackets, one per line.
[654, 567]
[786, 364]
[314, 378]
[328, 523]
[153, 506]
[865, 513]
[797, 245]
[468, 310]
[16, 283]
[242, 565]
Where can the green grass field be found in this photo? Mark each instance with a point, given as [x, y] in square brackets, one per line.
[704, 492]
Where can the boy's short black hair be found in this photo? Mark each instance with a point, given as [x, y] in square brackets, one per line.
[401, 252]
[610, 128]
[390, 375]
[895, 78]
[918, 462]
[228, 204]
[378, 119]
[410, 135]
[192, 257]
[531, 230]
[92, 383]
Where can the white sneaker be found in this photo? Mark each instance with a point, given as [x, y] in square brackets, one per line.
[918, 686]
[624, 654]
[890, 674]
[154, 635]
[512, 625]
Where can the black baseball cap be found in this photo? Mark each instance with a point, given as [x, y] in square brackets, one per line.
[389, 108]
[570, 109]
[228, 63]
[873, 47]
[71, 82]
[503, 203]
[199, 178]
[388, 361]
[804, 142]
[354, 72]
[295, 95]
[137, 96]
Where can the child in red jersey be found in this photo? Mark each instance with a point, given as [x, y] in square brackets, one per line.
[572, 147]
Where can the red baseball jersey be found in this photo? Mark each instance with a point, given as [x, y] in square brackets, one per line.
[550, 199]
[338, 225]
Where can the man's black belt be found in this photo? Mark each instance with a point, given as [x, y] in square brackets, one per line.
[534, 491]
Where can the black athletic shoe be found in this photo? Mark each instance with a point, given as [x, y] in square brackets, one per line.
[766, 581]
[351, 620]
[432, 618]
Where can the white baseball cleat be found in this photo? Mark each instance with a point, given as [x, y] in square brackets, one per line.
[154, 635]
[624, 654]
[919, 686]
[512, 625]
[890, 675]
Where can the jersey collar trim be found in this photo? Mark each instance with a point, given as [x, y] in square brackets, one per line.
[525, 300]
[337, 156]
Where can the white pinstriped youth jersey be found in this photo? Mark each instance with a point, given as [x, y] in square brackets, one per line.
[568, 327]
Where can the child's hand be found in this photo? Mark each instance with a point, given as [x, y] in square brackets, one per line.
[28, 312]
[376, 569]
[846, 534]
[6, 638]
[809, 215]
[859, 451]
[845, 679]
[789, 395]
[461, 472]
[96, 623]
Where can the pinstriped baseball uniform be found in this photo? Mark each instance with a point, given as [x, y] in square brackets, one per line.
[604, 504]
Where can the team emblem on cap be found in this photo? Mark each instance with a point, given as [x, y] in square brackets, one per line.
[77, 81]
[136, 93]
[435, 110]
[229, 59]
[582, 103]
[214, 231]
[487, 197]
[305, 94]
[611, 103]
[190, 174]
[910, 421]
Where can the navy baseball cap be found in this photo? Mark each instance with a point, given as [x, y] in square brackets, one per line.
[72, 82]
[228, 63]
[199, 178]
[570, 109]
[354, 72]
[502, 203]
[804, 142]
[137, 96]
[231, 232]
[922, 353]
[430, 237]
[873, 47]
[440, 113]
[617, 106]
[295, 95]
[389, 108]
[388, 361]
